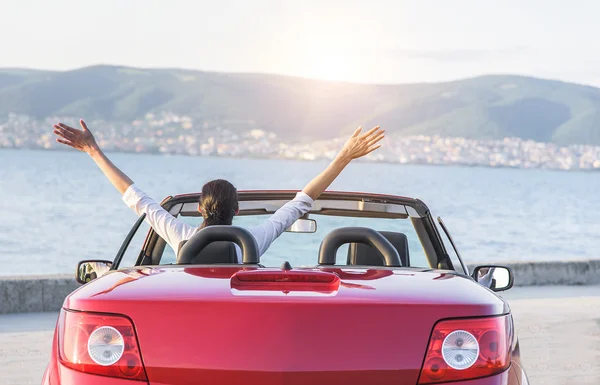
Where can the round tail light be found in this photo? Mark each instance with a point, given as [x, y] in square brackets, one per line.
[106, 345]
[436, 368]
[460, 349]
[490, 346]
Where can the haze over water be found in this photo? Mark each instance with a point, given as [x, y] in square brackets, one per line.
[57, 208]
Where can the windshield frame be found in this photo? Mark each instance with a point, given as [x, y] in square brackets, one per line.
[367, 204]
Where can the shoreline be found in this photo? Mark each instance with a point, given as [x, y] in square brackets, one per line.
[514, 264]
[320, 159]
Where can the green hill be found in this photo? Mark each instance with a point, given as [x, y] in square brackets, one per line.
[489, 107]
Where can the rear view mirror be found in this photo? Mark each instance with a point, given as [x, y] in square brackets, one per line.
[303, 226]
[496, 278]
[91, 269]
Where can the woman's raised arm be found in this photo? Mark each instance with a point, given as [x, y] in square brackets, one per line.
[171, 229]
[357, 146]
[83, 140]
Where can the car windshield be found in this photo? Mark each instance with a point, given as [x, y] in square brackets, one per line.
[301, 249]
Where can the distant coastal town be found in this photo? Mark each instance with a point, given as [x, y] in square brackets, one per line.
[168, 133]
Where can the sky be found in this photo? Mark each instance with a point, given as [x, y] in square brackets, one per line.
[370, 41]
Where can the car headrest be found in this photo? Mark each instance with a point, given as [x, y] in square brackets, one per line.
[215, 253]
[364, 255]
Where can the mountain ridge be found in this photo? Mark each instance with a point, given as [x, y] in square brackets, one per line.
[482, 107]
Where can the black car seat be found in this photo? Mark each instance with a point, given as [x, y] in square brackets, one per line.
[364, 255]
[215, 253]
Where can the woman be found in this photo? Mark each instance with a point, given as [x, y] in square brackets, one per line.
[218, 203]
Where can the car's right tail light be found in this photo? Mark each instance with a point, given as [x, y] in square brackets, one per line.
[465, 349]
[102, 344]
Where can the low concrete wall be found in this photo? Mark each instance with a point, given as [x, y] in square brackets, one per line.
[35, 293]
[46, 293]
[584, 272]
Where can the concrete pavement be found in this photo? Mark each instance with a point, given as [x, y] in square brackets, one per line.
[558, 326]
[25, 342]
[559, 331]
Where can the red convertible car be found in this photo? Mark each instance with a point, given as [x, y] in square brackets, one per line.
[375, 294]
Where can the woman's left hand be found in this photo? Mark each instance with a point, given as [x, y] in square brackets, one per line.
[360, 145]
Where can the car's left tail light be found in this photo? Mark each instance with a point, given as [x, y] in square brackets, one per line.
[102, 344]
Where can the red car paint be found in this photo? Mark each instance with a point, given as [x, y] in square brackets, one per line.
[328, 325]
[194, 325]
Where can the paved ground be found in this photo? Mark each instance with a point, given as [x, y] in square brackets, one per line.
[559, 329]
[25, 341]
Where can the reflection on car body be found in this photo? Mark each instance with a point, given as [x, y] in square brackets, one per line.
[418, 315]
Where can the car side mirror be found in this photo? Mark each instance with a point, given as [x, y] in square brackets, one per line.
[91, 269]
[303, 225]
[496, 278]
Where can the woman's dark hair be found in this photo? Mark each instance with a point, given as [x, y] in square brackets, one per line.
[219, 203]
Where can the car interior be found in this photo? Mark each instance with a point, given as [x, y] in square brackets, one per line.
[358, 254]
[340, 230]
[361, 254]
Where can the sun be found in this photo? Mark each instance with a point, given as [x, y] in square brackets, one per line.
[331, 67]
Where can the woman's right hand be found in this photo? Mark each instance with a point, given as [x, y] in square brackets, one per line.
[81, 140]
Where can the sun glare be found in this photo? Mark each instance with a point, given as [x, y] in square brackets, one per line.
[331, 67]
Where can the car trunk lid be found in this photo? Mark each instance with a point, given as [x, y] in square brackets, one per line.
[235, 325]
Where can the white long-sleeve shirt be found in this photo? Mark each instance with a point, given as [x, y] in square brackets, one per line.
[174, 231]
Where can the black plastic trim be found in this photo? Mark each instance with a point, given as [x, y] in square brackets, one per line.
[126, 242]
[217, 233]
[443, 226]
[338, 237]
